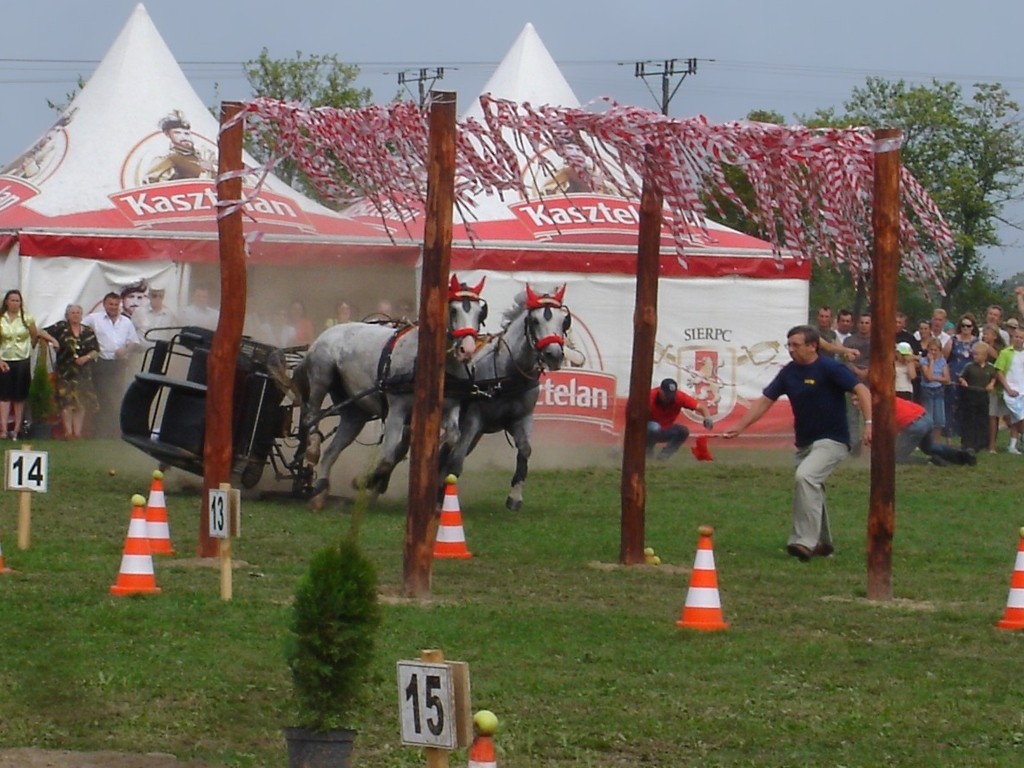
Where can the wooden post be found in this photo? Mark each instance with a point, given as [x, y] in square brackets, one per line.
[224, 552]
[885, 264]
[421, 518]
[633, 490]
[220, 378]
[436, 757]
[24, 512]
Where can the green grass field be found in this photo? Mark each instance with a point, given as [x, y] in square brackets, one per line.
[581, 660]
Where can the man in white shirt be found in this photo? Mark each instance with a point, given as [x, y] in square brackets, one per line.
[156, 317]
[118, 340]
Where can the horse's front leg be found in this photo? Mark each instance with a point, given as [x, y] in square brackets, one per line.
[450, 410]
[520, 432]
[350, 423]
[395, 443]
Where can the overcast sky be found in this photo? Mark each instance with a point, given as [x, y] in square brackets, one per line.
[789, 56]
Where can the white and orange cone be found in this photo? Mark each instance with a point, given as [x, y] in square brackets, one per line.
[158, 531]
[136, 575]
[3, 565]
[481, 752]
[703, 608]
[451, 538]
[1013, 618]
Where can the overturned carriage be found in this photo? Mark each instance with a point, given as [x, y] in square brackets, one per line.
[163, 412]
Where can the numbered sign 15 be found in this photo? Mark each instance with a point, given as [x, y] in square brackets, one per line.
[224, 509]
[26, 471]
[426, 701]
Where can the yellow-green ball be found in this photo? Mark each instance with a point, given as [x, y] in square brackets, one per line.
[138, 500]
[158, 475]
[1022, 532]
[451, 479]
[485, 722]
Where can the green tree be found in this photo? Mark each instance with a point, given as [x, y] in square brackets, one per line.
[313, 81]
[968, 154]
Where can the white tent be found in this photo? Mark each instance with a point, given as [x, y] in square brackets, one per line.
[722, 314]
[103, 198]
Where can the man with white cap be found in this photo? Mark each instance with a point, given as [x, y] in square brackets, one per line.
[155, 317]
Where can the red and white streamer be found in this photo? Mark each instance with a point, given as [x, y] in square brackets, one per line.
[812, 187]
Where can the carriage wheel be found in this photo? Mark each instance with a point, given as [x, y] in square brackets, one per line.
[251, 474]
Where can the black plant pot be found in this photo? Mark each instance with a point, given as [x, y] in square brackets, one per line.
[319, 749]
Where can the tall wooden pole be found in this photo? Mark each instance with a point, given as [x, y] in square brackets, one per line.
[885, 265]
[645, 327]
[421, 518]
[220, 376]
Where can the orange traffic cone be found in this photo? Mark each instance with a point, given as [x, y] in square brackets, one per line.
[3, 566]
[1014, 616]
[481, 752]
[157, 530]
[136, 574]
[703, 609]
[700, 449]
[451, 539]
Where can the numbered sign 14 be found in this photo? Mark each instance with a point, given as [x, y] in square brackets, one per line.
[426, 700]
[26, 471]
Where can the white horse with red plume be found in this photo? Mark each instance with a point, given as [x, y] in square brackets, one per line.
[368, 369]
[506, 377]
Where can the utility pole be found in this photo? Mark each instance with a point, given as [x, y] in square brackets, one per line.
[669, 69]
[421, 78]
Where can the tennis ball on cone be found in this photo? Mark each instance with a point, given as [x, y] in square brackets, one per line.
[485, 722]
[138, 500]
[158, 475]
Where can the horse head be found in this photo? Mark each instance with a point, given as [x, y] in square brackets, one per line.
[466, 315]
[547, 322]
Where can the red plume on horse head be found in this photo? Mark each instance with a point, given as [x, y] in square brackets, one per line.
[535, 301]
[457, 290]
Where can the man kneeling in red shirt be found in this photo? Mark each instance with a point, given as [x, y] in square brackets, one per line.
[665, 404]
[914, 430]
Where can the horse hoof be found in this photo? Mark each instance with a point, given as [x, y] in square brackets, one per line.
[514, 504]
[317, 502]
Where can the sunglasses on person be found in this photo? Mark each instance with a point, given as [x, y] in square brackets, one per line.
[966, 325]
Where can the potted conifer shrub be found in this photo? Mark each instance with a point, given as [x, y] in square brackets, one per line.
[42, 408]
[334, 623]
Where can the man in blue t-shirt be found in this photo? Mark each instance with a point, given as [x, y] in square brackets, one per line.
[816, 386]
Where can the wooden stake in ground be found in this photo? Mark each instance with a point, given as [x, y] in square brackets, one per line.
[633, 490]
[885, 260]
[421, 518]
[220, 380]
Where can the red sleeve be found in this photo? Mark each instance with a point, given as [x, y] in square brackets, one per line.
[685, 401]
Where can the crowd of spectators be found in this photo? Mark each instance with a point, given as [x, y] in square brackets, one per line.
[965, 373]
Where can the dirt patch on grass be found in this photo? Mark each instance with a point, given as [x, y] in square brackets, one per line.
[25, 757]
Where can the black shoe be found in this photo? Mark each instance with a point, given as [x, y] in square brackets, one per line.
[823, 550]
[799, 551]
[970, 457]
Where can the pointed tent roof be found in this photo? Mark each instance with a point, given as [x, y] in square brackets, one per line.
[105, 182]
[562, 227]
[527, 74]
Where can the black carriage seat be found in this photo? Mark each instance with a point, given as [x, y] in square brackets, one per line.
[258, 415]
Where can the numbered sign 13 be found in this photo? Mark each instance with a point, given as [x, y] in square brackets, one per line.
[224, 512]
[426, 701]
[26, 471]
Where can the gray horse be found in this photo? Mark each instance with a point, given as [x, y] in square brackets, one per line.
[506, 373]
[367, 369]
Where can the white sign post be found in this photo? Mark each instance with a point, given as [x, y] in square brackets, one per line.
[26, 472]
[434, 705]
[225, 507]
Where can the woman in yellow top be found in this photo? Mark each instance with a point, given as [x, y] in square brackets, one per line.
[18, 334]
